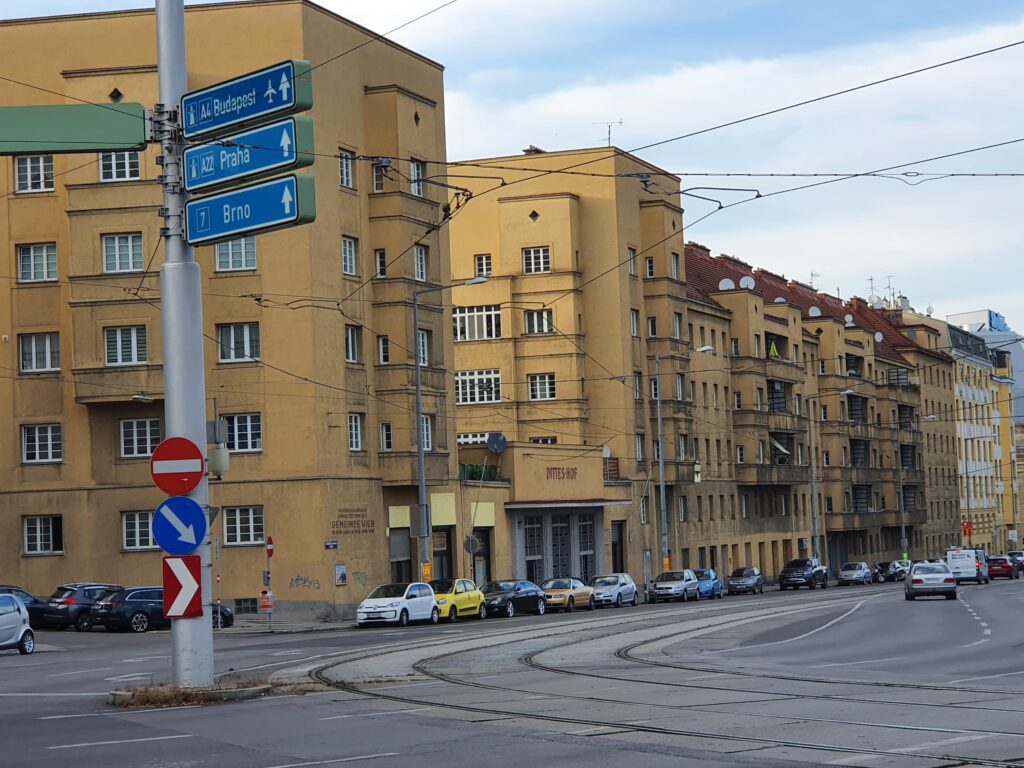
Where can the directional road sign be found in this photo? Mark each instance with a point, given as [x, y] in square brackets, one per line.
[283, 89]
[258, 208]
[284, 145]
[183, 595]
[62, 128]
[177, 466]
[179, 525]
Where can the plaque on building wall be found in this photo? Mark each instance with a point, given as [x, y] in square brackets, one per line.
[353, 521]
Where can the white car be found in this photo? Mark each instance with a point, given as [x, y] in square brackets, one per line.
[398, 604]
[14, 628]
[855, 573]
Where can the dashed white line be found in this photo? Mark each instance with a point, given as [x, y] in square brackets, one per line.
[984, 677]
[80, 672]
[836, 620]
[851, 663]
[976, 642]
[858, 759]
[379, 714]
[122, 741]
[338, 760]
[988, 631]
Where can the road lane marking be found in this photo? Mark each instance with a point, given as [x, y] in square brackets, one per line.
[857, 759]
[94, 693]
[851, 663]
[122, 741]
[984, 624]
[836, 620]
[984, 677]
[976, 642]
[129, 677]
[80, 672]
[988, 631]
[378, 714]
[287, 653]
[337, 760]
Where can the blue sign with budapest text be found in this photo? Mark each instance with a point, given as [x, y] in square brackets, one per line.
[250, 210]
[284, 145]
[282, 89]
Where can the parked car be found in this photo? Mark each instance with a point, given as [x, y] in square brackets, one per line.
[926, 579]
[747, 579]
[222, 616]
[506, 598]
[568, 594]
[968, 564]
[70, 604]
[1001, 566]
[709, 586]
[15, 631]
[1017, 557]
[36, 607]
[614, 589]
[803, 572]
[855, 573]
[458, 597]
[674, 585]
[398, 604]
[136, 608]
[897, 570]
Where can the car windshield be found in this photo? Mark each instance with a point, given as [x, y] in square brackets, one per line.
[557, 584]
[741, 572]
[387, 590]
[61, 593]
[671, 576]
[886, 564]
[931, 568]
[798, 563]
[850, 567]
[442, 586]
[498, 586]
[703, 574]
[604, 581]
[1002, 560]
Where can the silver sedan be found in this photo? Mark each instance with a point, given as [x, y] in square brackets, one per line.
[929, 579]
[855, 573]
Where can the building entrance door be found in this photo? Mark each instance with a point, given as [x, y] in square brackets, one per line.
[561, 551]
[618, 559]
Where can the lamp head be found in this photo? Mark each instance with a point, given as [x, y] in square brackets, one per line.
[478, 280]
[705, 348]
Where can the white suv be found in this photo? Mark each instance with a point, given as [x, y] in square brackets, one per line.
[14, 629]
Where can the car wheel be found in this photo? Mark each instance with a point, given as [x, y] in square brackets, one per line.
[360, 624]
[908, 596]
[782, 587]
[435, 616]
[403, 618]
[618, 600]
[453, 614]
[541, 606]
[719, 594]
[27, 644]
[83, 623]
[951, 596]
[217, 620]
[813, 584]
[824, 583]
[634, 601]
[570, 606]
[139, 622]
[684, 598]
[591, 604]
[761, 588]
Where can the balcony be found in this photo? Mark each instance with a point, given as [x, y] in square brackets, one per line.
[909, 436]
[860, 521]
[749, 418]
[399, 467]
[786, 422]
[858, 475]
[402, 378]
[863, 430]
[117, 385]
[665, 346]
[772, 474]
[784, 370]
[913, 476]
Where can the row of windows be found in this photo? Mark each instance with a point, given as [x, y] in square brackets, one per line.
[34, 173]
[484, 386]
[44, 534]
[356, 429]
[484, 322]
[124, 253]
[350, 259]
[537, 260]
[381, 170]
[43, 443]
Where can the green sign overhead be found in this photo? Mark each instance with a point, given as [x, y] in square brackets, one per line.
[66, 128]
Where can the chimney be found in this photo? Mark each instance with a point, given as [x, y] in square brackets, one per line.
[533, 150]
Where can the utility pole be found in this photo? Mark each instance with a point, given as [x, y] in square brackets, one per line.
[666, 558]
[182, 315]
[815, 544]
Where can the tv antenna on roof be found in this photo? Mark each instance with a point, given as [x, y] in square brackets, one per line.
[608, 124]
[814, 276]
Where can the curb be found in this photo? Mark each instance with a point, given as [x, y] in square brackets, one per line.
[126, 697]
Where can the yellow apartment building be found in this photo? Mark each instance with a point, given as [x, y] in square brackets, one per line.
[309, 339]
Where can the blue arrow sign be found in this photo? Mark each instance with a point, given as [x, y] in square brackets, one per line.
[257, 208]
[258, 152]
[179, 525]
[282, 89]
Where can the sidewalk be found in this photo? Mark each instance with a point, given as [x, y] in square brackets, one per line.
[258, 625]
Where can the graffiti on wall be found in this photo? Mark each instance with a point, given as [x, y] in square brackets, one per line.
[304, 582]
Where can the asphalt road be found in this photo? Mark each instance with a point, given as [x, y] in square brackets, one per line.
[850, 676]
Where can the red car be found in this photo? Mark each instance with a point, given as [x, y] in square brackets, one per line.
[1001, 566]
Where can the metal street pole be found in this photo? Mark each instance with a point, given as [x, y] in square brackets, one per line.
[899, 497]
[663, 508]
[421, 456]
[182, 315]
[815, 543]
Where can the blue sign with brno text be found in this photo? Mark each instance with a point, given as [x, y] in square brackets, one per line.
[179, 525]
[250, 210]
[284, 145]
[282, 89]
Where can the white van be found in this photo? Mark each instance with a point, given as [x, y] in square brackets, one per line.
[968, 564]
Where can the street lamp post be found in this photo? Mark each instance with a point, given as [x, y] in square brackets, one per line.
[421, 453]
[815, 534]
[900, 504]
[967, 489]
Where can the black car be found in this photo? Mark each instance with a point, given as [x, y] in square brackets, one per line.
[803, 572]
[36, 607]
[136, 608]
[506, 598]
[71, 604]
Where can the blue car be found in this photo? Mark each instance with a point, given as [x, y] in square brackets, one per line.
[709, 585]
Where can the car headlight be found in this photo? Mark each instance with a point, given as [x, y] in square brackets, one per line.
[394, 604]
[442, 601]
[494, 601]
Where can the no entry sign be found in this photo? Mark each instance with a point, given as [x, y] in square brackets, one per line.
[177, 466]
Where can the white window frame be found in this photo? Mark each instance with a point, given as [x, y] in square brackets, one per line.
[44, 540]
[132, 337]
[652, 327]
[536, 260]
[33, 173]
[386, 437]
[681, 506]
[43, 352]
[137, 531]
[649, 266]
[427, 427]
[353, 343]
[540, 386]
[355, 433]
[655, 387]
[383, 350]
[639, 446]
[238, 350]
[119, 166]
[380, 258]
[644, 512]
[236, 255]
[482, 263]
[139, 437]
[345, 169]
[419, 263]
[537, 321]
[675, 266]
[244, 432]
[476, 323]
[680, 386]
[821, 365]
[740, 454]
[634, 323]
[472, 387]
[122, 252]
[638, 385]
[631, 260]
[47, 442]
[244, 526]
[417, 172]
[471, 438]
[379, 175]
[37, 263]
[349, 255]
[423, 347]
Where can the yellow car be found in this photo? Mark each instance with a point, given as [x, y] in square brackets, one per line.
[458, 598]
[568, 594]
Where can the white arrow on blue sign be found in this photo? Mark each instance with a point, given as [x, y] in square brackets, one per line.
[179, 525]
[249, 210]
[258, 152]
[282, 89]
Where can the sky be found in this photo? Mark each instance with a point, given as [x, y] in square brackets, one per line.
[551, 73]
